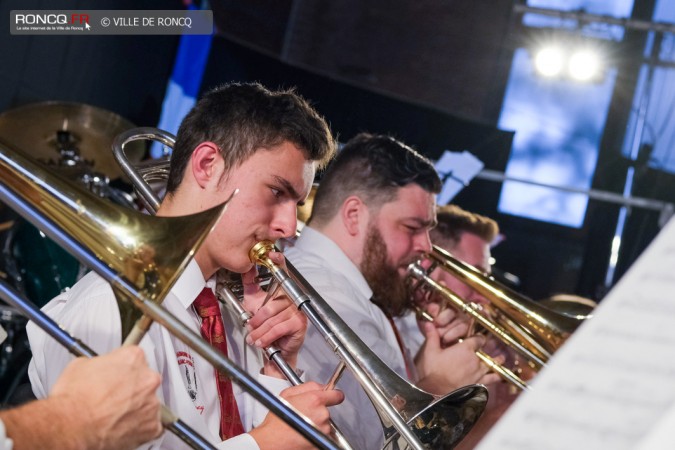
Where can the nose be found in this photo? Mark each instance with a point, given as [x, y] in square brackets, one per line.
[422, 242]
[285, 221]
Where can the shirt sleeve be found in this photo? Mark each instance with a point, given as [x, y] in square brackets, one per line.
[89, 312]
[242, 442]
[275, 386]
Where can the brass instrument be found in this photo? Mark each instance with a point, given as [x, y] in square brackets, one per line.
[411, 417]
[158, 170]
[533, 331]
[130, 250]
[144, 173]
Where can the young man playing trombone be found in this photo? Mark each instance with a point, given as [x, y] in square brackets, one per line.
[268, 146]
[372, 214]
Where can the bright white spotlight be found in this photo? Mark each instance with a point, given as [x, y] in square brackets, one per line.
[584, 65]
[549, 61]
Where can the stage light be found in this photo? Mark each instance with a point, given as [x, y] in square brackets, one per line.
[549, 61]
[584, 65]
[568, 57]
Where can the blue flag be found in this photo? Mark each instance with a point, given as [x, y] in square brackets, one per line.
[183, 88]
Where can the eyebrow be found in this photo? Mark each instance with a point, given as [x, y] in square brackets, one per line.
[287, 186]
[425, 223]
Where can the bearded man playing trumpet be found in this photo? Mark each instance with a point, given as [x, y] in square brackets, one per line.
[371, 217]
[468, 237]
[267, 145]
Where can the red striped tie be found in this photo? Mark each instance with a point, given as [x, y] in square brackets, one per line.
[213, 330]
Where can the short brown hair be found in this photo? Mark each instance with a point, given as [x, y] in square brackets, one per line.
[453, 221]
[373, 167]
[241, 118]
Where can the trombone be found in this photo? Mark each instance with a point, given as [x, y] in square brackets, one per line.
[533, 331]
[108, 238]
[158, 171]
[411, 417]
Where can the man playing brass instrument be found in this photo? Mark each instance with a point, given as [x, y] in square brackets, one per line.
[371, 218]
[468, 236]
[268, 146]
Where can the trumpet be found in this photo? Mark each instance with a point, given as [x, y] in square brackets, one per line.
[107, 238]
[531, 330]
[411, 417]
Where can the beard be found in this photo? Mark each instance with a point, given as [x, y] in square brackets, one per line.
[390, 291]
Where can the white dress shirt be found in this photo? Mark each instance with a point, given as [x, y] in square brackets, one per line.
[335, 277]
[5, 442]
[410, 331]
[89, 312]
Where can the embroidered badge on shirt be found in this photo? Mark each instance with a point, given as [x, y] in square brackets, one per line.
[186, 364]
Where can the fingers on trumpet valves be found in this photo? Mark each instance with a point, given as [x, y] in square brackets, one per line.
[471, 328]
[475, 342]
[423, 315]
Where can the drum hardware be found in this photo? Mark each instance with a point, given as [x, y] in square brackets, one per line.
[13, 323]
[68, 134]
[14, 351]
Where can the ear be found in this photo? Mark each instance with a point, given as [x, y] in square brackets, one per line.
[204, 164]
[354, 215]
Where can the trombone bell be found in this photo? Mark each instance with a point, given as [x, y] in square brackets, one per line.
[132, 244]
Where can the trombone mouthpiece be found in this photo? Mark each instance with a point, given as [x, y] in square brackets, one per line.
[259, 253]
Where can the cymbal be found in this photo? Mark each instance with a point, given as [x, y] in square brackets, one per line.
[41, 129]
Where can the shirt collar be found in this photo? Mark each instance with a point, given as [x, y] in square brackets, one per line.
[315, 242]
[189, 284]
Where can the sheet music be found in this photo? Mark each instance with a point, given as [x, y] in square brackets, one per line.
[612, 385]
[456, 169]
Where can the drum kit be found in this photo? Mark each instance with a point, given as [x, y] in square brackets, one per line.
[73, 140]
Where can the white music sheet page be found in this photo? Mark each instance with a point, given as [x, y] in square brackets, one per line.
[612, 385]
